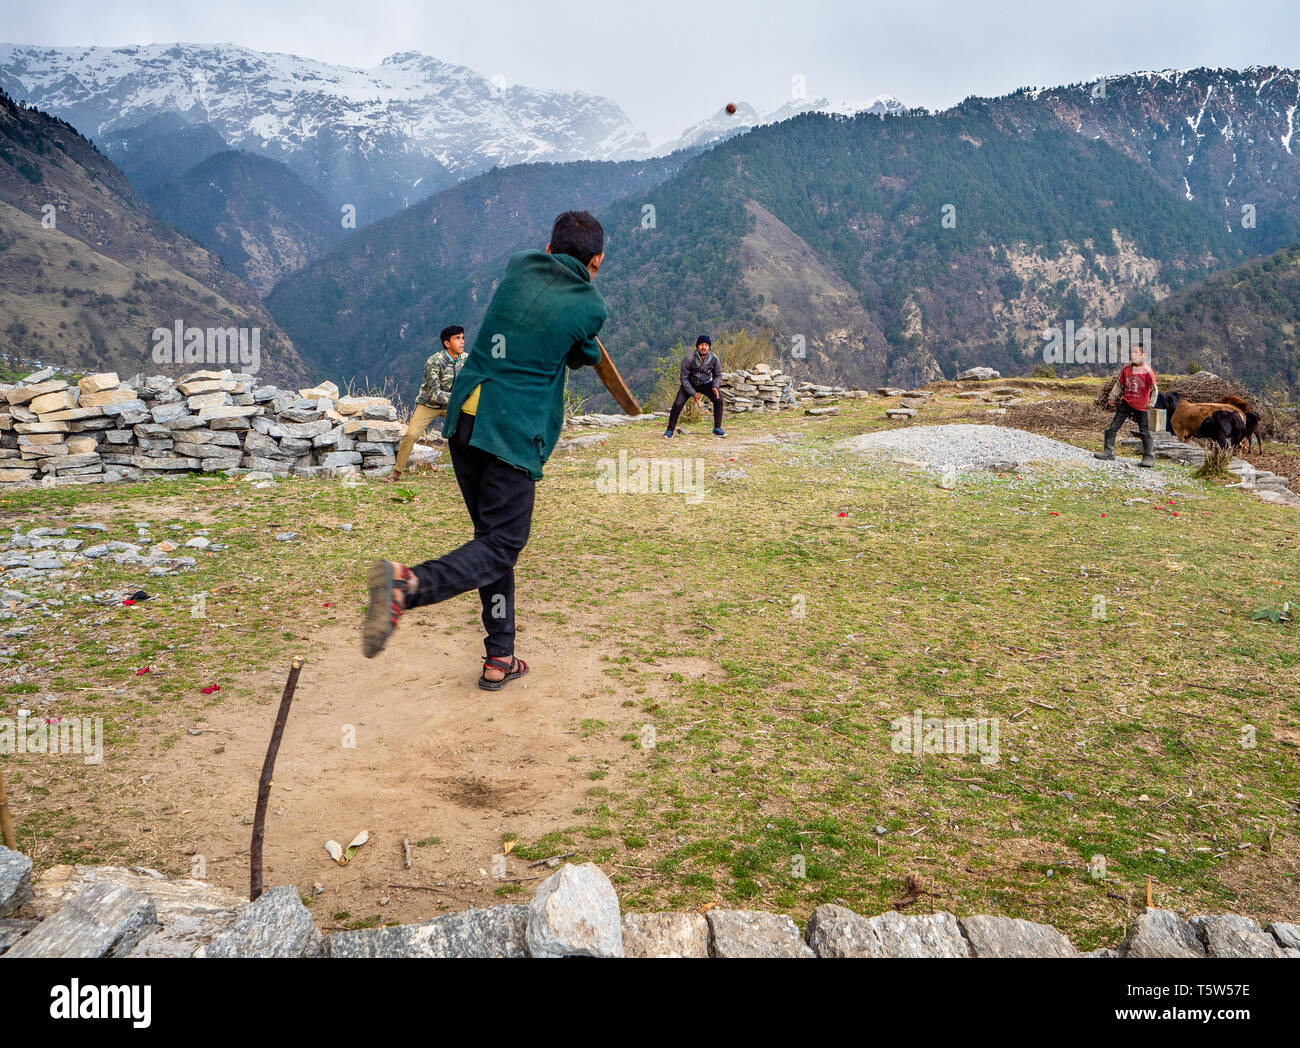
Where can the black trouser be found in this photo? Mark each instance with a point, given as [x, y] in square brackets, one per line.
[680, 403]
[1124, 412]
[500, 503]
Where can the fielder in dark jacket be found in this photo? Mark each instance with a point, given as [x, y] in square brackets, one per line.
[503, 419]
[701, 374]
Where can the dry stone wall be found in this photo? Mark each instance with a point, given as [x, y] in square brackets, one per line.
[104, 911]
[101, 428]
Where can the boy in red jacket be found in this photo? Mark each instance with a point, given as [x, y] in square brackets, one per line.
[1137, 382]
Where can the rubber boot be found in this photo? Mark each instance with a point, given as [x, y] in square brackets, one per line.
[1109, 451]
[1148, 447]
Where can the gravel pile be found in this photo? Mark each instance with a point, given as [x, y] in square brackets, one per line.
[961, 447]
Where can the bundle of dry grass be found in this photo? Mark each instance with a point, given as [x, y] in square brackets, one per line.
[1058, 417]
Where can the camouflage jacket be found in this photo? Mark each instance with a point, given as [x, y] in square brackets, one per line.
[440, 371]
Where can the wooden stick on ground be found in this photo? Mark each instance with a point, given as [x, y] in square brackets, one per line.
[264, 783]
[6, 826]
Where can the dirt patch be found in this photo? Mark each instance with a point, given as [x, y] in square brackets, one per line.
[405, 746]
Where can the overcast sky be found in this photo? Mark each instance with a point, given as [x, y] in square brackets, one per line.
[669, 63]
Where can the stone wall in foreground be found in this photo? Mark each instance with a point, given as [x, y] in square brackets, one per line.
[102, 428]
[104, 911]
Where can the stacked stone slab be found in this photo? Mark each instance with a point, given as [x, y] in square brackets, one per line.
[101, 428]
[762, 388]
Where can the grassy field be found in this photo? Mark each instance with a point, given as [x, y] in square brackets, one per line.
[1144, 714]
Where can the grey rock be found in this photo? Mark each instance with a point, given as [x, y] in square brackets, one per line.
[276, 925]
[11, 930]
[665, 935]
[1161, 933]
[169, 412]
[1011, 937]
[499, 931]
[752, 933]
[103, 920]
[1287, 935]
[834, 931]
[127, 407]
[185, 934]
[1229, 935]
[979, 373]
[15, 880]
[575, 912]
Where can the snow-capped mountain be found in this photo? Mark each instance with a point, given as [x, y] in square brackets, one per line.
[376, 138]
[1223, 138]
[723, 125]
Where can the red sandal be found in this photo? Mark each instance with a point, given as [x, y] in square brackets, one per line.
[513, 668]
[385, 609]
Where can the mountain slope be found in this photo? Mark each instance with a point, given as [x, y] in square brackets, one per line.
[374, 306]
[1220, 137]
[1048, 226]
[87, 293]
[962, 234]
[375, 138]
[255, 214]
[1243, 322]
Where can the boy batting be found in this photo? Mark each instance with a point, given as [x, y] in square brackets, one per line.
[503, 419]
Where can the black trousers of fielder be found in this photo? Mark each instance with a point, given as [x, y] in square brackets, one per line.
[500, 503]
[1126, 411]
[680, 403]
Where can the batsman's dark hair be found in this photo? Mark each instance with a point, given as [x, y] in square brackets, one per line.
[579, 234]
[450, 331]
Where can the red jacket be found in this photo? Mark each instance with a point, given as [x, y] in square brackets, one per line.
[1137, 384]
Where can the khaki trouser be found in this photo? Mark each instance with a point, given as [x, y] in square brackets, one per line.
[421, 418]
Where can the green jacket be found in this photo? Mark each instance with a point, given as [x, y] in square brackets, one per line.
[544, 315]
[439, 374]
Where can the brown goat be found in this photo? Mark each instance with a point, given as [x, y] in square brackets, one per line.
[1188, 416]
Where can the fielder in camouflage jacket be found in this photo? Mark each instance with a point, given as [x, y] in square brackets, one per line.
[440, 371]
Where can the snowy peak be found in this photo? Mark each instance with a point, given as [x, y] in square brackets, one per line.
[723, 125]
[362, 136]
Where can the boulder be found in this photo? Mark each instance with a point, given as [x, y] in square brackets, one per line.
[981, 374]
[1228, 935]
[1011, 937]
[1161, 933]
[276, 925]
[11, 930]
[15, 880]
[665, 935]
[575, 912]
[834, 931]
[752, 933]
[1287, 935]
[103, 920]
[499, 931]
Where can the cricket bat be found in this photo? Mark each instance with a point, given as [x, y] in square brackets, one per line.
[613, 381]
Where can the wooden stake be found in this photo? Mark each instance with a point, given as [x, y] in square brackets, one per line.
[1149, 904]
[264, 783]
[6, 827]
